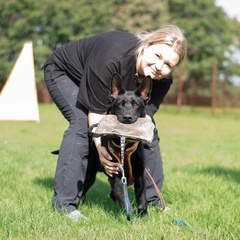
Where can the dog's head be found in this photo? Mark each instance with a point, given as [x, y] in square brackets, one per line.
[128, 106]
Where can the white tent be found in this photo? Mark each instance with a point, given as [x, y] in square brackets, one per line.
[18, 98]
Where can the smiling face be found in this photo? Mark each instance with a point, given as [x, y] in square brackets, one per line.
[157, 60]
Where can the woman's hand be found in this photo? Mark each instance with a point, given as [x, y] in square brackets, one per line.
[105, 159]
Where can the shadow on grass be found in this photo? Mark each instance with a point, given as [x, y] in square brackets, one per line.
[44, 182]
[226, 173]
[97, 195]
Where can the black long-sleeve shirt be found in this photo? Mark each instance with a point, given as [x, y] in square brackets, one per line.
[91, 62]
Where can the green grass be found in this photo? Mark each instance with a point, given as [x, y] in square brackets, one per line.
[202, 181]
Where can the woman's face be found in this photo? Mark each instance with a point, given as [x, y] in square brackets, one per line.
[157, 60]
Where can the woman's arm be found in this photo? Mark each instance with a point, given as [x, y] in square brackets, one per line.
[159, 90]
[104, 156]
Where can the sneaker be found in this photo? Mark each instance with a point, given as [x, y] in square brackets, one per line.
[76, 215]
[166, 209]
[158, 204]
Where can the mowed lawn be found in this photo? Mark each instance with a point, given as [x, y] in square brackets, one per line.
[201, 158]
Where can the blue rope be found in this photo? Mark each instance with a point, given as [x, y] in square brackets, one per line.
[127, 204]
[184, 224]
[180, 222]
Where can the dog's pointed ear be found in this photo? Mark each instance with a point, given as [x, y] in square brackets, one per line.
[144, 88]
[116, 85]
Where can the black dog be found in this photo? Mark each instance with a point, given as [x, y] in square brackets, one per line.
[128, 106]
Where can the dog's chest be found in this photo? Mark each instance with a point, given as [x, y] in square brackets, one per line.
[115, 151]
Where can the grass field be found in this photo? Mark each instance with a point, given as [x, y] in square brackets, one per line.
[202, 182]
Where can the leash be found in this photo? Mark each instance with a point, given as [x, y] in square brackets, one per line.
[124, 179]
[163, 204]
[127, 205]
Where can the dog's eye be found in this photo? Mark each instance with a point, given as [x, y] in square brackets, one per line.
[134, 104]
[121, 104]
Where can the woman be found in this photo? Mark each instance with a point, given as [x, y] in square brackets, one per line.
[78, 77]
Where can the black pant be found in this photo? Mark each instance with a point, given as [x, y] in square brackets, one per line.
[72, 160]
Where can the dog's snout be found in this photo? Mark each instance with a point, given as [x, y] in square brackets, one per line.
[127, 118]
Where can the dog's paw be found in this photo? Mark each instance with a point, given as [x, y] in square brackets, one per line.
[142, 213]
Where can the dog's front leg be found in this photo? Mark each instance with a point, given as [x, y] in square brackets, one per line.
[140, 192]
[117, 193]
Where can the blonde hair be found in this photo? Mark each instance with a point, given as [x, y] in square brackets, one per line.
[170, 35]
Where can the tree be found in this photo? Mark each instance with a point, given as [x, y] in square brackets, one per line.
[49, 24]
[206, 27]
[138, 15]
[212, 36]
